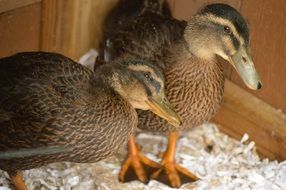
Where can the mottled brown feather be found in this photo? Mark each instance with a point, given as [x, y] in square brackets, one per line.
[48, 100]
[193, 86]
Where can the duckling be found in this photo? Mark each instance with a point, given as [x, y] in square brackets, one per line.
[53, 109]
[188, 54]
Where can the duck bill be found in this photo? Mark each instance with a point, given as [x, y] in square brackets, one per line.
[243, 64]
[162, 107]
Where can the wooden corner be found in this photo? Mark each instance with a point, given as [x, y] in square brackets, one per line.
[72, 27]
[8, 5]
[242, 112]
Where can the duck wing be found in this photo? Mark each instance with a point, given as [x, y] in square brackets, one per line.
[36, 91]
[148, 34]
[32, 73]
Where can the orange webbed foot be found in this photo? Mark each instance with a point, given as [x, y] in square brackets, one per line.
[173, 174]
[137, 166]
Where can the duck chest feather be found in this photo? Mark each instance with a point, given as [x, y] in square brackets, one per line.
[193, 86]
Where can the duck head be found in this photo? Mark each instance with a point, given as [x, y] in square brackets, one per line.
[220, 30]
[142, 85]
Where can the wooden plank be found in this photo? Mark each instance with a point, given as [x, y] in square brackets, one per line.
[20, 30]
[244, 113]
[184, 9]
[268, 38]
[7, 5]
[72, 27]
[50, 30]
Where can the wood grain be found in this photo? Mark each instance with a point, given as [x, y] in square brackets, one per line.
[7, 5]
[268, 38]
[184, 9]
[20, 30]
[50, 22]
[72, 27]
[244, 113]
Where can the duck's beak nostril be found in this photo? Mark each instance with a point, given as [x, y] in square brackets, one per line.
[259, 85]
[244, 59]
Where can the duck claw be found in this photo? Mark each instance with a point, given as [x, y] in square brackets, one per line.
[173, 175]
[137, 167]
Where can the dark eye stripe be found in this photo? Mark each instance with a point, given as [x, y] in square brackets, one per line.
[235, 41]
[229, 13]
[141, 77]
[157, 85]
[147, 85]
[147, 89]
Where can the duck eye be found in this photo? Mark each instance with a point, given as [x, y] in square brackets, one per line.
[147, 76]
[227, 29]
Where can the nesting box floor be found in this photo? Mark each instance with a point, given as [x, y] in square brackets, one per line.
[221, 162]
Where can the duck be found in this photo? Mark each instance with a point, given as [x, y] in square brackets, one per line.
[190, 55]
[53, 109]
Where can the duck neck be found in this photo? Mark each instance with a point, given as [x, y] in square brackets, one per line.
[111, 76]
[182, 55]
[203, 54]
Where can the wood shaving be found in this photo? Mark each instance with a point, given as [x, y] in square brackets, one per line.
[230, 165]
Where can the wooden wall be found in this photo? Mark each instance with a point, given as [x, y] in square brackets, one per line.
[74, 26]
[19, 26]
[70, 27]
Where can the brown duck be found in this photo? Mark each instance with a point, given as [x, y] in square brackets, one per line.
[53, 109]
[187, 53]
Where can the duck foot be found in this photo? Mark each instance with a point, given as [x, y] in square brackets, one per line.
[173, 175]
[137, 166]
[17, 180]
